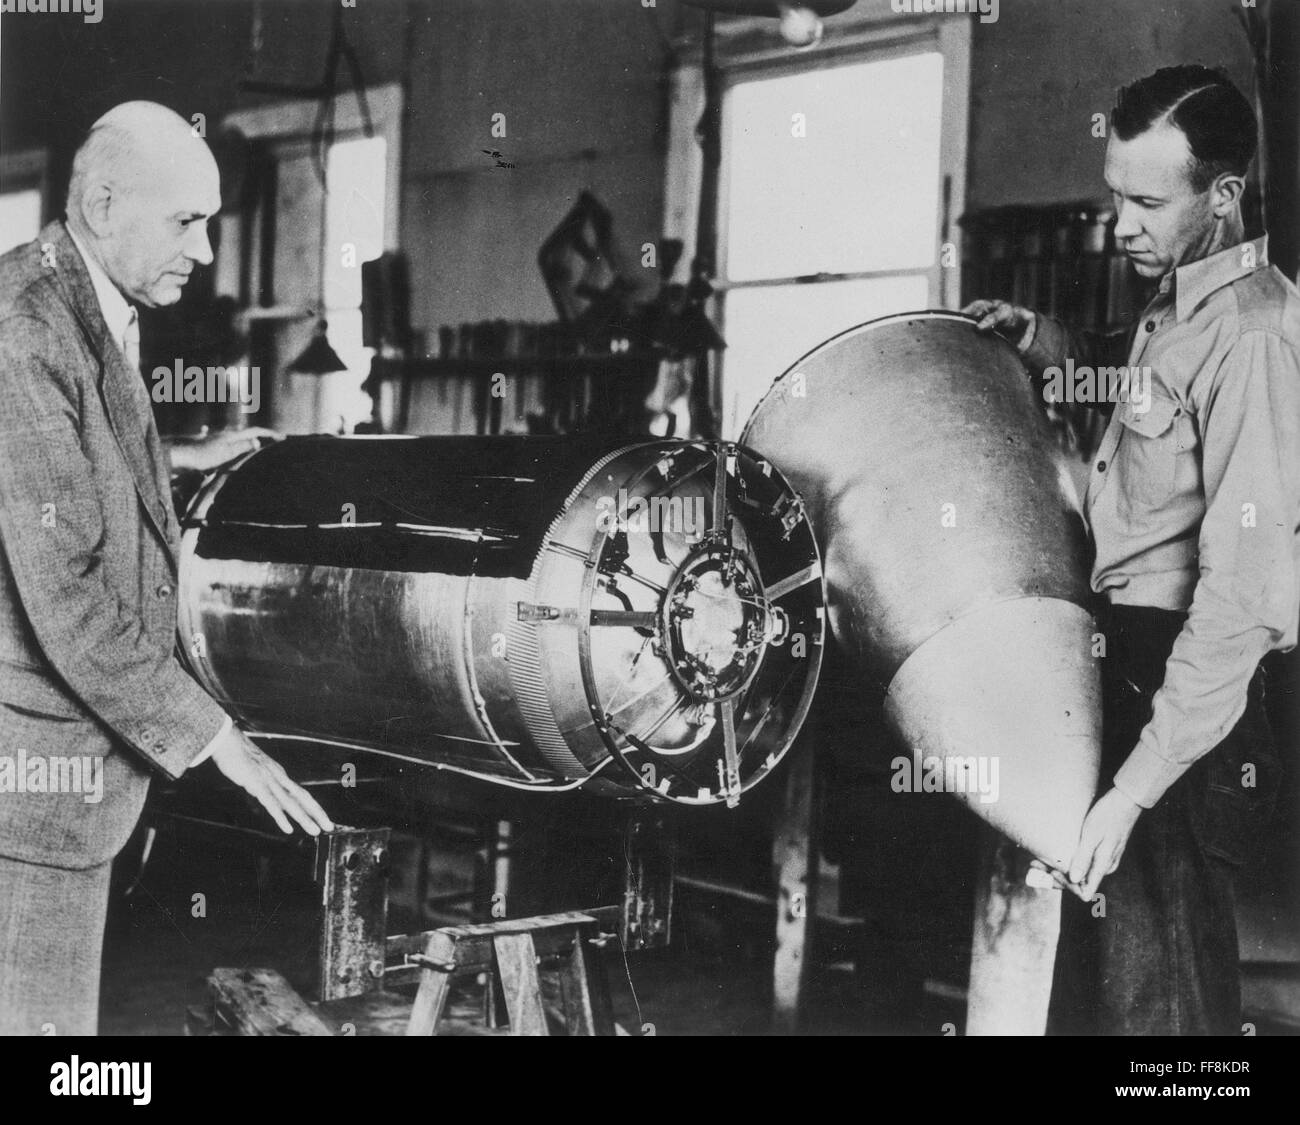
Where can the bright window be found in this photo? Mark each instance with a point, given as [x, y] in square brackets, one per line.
[354, 233]
[769, 327]
[834, 170]
[20, 218]
[831, 210]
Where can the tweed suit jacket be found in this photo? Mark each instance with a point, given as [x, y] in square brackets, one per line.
[88, 567]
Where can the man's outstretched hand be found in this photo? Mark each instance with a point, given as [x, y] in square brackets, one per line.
[1102, 841]
[207, 452]
[264, 778]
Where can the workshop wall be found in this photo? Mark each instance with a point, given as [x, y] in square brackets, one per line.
[1046, 66]
[595, 121]
[472, 229]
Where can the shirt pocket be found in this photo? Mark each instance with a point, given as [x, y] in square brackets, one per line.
[1148, 456]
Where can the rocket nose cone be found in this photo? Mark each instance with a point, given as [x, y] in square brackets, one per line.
[1002, 708]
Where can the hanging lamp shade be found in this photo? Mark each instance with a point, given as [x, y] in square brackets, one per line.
[319, 356]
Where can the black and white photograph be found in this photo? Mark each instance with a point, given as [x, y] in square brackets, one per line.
[651, 518]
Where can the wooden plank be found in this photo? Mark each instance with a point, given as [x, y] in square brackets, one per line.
[517, 963]
[795, 855]
[431, 997]
[575, 999]
[513, 952]
[262, 1002]
[400, 946]
[473, 948]
[519, 925]
[1013, 954]
[584, 992]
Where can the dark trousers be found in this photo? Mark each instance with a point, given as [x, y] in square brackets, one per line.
[1156, 954]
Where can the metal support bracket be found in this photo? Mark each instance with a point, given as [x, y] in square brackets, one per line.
[352, 872]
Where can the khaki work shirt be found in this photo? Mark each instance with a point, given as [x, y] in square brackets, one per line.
[1194, 501]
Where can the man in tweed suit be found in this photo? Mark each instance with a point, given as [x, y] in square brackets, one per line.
[90, 685]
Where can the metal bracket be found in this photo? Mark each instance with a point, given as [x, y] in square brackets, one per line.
[352, 871]
[525, 611]
[790, 513]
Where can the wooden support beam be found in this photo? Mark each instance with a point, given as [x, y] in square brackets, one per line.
[795, 856]
[521, 983]
[262, 1002]
[517, 953]
[1013, 954]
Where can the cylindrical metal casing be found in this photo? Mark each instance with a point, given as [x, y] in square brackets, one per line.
[539, 612]
[956, 557]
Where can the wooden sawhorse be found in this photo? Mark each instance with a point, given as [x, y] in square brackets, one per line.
[517, 953]
[514, 955]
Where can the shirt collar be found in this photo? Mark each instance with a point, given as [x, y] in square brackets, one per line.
[1197, 280]
[117, 312]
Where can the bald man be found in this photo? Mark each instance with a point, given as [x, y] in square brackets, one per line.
[93, 699]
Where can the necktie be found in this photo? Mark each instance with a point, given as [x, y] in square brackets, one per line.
[157, 462]
[143, 405]
[131, 349]
[131, 342]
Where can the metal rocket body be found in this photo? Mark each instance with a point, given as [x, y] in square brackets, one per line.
[542, 613]
[956, 560]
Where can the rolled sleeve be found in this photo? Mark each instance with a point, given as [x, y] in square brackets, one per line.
[1049, 343]
[1046, 344]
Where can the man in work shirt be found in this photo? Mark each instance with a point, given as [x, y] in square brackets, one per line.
[1194, 506]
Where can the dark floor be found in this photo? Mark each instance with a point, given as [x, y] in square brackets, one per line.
[205, 903]
[157, 957]
[155, 967]
[163, 941]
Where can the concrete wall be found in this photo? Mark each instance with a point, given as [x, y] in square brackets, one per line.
[1046, 66]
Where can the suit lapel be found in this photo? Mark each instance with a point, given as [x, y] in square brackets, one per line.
[128, 413]
[137, 436]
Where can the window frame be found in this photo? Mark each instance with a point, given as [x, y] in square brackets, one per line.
[27, 170]
[294, 119]
[748, 50]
